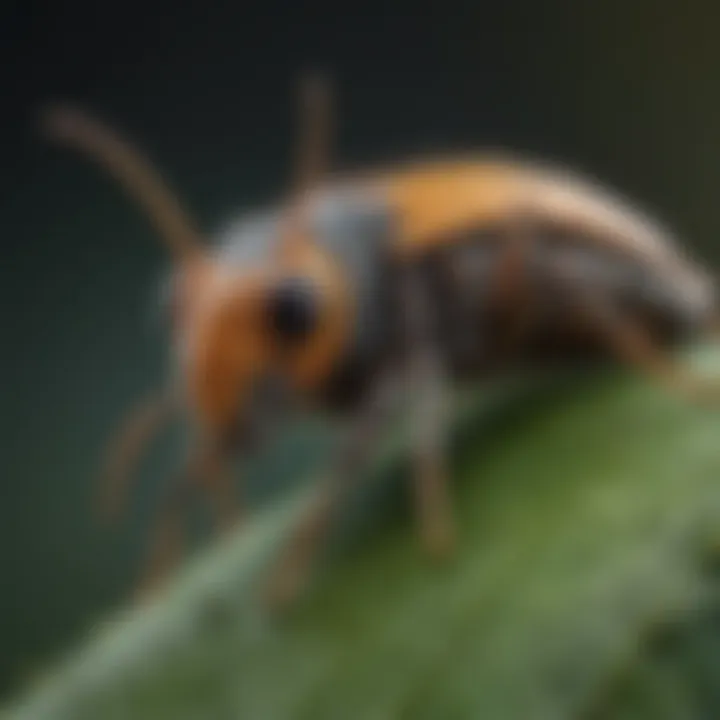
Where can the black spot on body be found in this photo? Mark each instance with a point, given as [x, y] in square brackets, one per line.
[293, 309]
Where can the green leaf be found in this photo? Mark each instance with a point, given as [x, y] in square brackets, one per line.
[586, 510]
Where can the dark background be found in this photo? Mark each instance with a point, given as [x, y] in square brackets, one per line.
[628, 91]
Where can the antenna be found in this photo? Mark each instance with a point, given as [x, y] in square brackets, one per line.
[73, 127]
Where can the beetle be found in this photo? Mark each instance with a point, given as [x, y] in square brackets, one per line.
[360, 291]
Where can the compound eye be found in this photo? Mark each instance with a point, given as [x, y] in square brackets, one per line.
[293, 309]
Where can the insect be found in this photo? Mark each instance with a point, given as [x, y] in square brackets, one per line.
[360, 292]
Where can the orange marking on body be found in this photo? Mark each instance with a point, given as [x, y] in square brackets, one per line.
[310, 364]
[434, 200]
[225, 345]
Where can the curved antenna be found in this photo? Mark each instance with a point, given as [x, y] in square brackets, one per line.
[313, 141]
[75, 128]
[313, 152]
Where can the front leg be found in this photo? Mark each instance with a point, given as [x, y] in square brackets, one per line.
[168, 531]
[294, 568]
[270, 406]
[124, 452]
[208, 472]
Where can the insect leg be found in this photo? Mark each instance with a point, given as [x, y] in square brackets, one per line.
[167, 536]
[206, 462]
[272, 404]
[631, 343]
[292, 571]
[429, 388]
[220, 488]
[124, 451]
[429, 457]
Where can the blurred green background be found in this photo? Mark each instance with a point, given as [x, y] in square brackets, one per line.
[625, 91]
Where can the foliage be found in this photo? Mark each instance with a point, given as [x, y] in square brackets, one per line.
[586, 513]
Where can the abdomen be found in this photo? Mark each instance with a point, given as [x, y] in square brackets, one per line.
[481, 323]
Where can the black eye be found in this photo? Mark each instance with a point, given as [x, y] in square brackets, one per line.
[293, 309]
